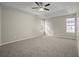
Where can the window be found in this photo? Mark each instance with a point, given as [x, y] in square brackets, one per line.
[70, 25]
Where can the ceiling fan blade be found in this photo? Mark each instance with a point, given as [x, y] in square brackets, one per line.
[35, 7]
[47, 5]
[46, 9]
[41, 4]
[37, 3]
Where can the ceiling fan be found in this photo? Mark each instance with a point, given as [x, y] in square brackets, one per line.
[41, 6]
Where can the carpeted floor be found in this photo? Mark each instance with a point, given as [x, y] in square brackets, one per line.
[41, 47]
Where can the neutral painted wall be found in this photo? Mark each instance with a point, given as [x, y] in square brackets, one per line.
[57, 26]
[17, 25]
[0, 24]
[77, 31]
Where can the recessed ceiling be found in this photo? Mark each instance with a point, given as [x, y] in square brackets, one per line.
[56, 8]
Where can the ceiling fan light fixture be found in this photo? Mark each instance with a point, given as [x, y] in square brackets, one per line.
[41, 9]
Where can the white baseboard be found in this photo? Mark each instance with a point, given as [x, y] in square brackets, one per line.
[21, 39]
[64, 37]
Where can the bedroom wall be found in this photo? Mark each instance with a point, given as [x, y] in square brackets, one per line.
[18, 25]
[57, 26]
[77, 30]
[0, 25]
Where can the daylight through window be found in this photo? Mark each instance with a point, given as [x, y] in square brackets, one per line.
[70, 25]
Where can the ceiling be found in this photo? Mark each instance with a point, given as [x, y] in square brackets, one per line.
[56, 8]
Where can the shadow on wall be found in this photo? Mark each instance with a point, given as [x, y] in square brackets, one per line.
[48, 30]
[45, 28]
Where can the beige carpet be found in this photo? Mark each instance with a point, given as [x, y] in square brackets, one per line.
[41, 47]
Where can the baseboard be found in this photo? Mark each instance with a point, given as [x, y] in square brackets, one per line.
[21, 39]
[65, 37]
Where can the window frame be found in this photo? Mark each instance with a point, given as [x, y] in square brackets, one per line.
[71, 24]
